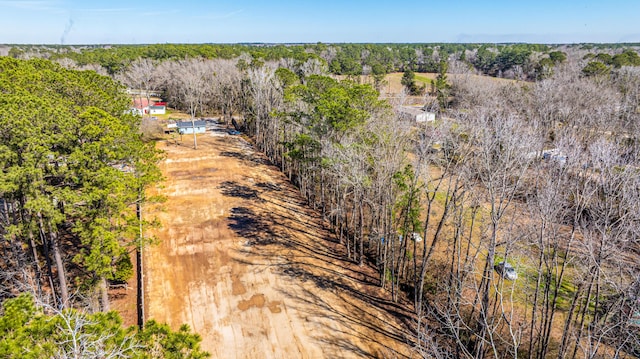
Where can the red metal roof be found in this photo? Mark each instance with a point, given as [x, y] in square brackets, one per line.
[140, 103]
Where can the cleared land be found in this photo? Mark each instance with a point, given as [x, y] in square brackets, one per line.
[248, 266]
[393, 81]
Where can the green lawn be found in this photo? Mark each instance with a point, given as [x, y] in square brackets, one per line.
[423, 79]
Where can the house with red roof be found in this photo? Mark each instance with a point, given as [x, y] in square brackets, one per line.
[145, 107]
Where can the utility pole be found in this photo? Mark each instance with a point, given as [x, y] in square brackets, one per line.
[140, 266]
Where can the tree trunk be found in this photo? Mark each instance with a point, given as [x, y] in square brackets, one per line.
[32, 247]
[140, 270]
[104, 294]
[57, 256]
[361, 209]
[195, 138]
[46, 245]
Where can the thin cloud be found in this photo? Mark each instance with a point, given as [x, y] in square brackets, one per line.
[219, 16]
[106, 10]
[31, 5]
[159, 13]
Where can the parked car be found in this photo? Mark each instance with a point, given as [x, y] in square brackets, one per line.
[414, 236]
[554, 155]
[506, 270]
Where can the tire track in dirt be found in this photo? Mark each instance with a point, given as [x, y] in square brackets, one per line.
[249, 267]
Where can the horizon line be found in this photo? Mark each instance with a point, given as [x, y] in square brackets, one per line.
[632, 43]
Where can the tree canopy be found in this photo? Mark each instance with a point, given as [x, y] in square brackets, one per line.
[342, 59]
[28, 331]
[72, 161]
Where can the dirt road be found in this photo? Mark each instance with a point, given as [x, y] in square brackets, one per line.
[249, 267]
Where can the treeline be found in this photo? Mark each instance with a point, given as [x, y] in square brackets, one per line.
[602, 63]
[542, 176]
[515, 61]
[73, 171]
[342, 59]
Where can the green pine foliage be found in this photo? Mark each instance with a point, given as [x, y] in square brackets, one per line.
[407, 208]
[332, 109]
[28, 331]
[73, 163]
[409, 82]
[602, 63]
[442, 87]
[596, 68]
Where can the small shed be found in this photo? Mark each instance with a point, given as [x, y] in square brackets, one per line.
[188, 127]
[157, 110]
[416, 114]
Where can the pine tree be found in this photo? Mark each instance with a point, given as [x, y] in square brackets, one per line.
[409, 82]
[441, 86]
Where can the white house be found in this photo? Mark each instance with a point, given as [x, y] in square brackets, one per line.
[144, 107]
[188, 127]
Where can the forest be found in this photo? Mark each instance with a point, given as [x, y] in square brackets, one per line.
[538, 173]
[522, 61]
[73, 169]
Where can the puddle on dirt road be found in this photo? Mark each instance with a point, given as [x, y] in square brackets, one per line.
[256, 301]
[259, 301]
[237, 288]
[274, 306]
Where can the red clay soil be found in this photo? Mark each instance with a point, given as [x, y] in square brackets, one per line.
[246, 264]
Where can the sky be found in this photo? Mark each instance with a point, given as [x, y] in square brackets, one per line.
[329, 21]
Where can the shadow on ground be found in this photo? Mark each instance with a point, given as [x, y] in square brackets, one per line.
[246, 157]
[278, 221]
[233, 189]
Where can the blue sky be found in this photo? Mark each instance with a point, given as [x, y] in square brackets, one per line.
[224, 21]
